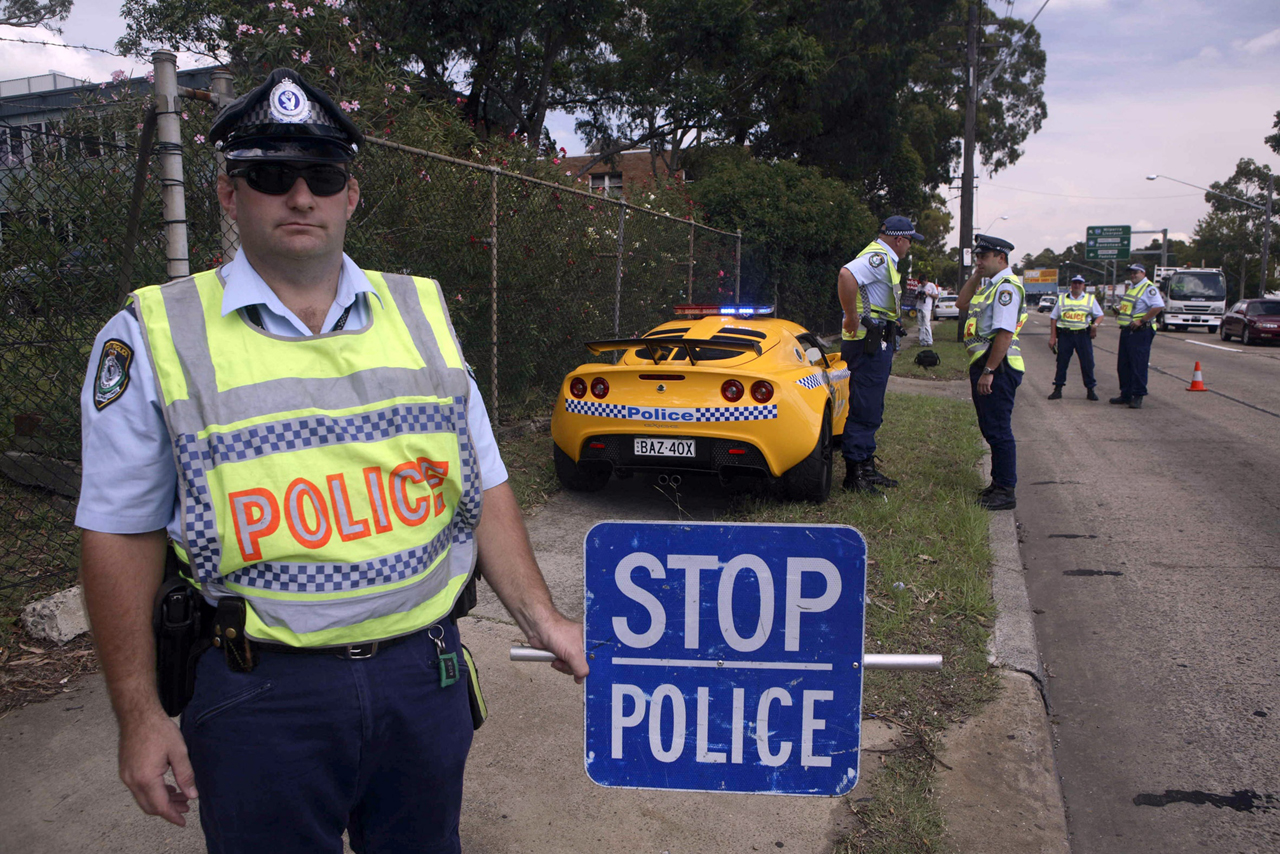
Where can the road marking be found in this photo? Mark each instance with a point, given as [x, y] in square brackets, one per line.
[1214, 346]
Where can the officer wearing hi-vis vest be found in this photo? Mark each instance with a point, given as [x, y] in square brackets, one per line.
[307, 436]
[869, 288]
[1073, 324]
[997, 306]
[1136, 314]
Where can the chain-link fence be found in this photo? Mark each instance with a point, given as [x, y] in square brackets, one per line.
[530, 270]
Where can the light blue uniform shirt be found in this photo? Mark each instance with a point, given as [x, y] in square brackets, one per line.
[129, 483]
[1149, 299]
[873, 281]
[1005, 316]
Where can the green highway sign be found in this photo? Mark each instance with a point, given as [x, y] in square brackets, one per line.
[1107, 243]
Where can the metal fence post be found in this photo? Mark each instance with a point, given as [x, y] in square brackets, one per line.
[493, 289]
[737, 271]
[223, 86]
[617, 282]
[169, 133]
[692, 227]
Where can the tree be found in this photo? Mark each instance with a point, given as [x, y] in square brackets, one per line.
[1230, 235]
[34, 13]
[1274, 139]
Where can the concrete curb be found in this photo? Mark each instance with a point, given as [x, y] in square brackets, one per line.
[1002, 794]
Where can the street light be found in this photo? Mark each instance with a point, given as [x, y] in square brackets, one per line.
[1266, 230]
[993, 222]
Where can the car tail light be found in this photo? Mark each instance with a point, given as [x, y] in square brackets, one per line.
[731, 390]
[599, 387]
[578, 387]
[761, 391]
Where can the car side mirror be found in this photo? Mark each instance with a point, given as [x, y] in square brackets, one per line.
[814, 355]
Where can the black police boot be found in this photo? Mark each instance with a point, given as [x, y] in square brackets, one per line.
[999, 498]
[872, 475]
[990, 487]
[1135, 403]
[1057, 393]
[855, 479]
[1119, 401]
[1092, 395]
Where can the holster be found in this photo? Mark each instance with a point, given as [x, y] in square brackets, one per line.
[180, 620]
[875, 334]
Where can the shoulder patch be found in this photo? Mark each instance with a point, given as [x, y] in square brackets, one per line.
[1005, 297]
[876, 259]
[112, 376]
[1151, 292]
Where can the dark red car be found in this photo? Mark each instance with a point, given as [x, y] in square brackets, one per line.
[1252, 321]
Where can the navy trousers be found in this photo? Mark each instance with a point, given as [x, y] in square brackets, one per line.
[306, 746]
[1132, 359]
[1075, 341]
[868, 378]
[995, 419]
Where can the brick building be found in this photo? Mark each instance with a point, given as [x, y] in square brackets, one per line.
[611, 176]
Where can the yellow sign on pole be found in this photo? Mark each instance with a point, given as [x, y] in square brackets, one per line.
[1041, 276]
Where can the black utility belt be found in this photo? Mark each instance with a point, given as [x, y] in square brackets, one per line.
[1065, 331]
[353, 652]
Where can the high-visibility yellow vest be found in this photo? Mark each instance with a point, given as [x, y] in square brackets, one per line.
[1073, 313]
[1124, 312]
[331, 481]
[883, 312]
[979, 328]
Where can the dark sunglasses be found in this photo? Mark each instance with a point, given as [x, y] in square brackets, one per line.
[276, 179]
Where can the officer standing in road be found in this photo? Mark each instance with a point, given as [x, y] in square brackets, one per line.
[1073, 324]
[997, 306]
[869, 294]
[307, 436]
[1136, 314]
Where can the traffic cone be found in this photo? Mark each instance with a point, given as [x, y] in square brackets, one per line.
[1197, 381]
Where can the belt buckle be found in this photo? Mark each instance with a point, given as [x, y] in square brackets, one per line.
[361, 651]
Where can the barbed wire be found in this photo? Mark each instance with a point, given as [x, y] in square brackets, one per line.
[72, 46]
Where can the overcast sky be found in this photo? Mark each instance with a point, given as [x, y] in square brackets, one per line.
[1183, 88]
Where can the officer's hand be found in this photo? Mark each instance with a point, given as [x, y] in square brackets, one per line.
[150, 746]
[984, 383]
[563, 637]
[850, 326]
[1052, 343]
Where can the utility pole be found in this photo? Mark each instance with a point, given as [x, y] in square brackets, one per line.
[1266, 236]
[966, 181]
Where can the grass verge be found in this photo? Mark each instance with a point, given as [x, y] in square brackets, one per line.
[928, 591]
[954, 359]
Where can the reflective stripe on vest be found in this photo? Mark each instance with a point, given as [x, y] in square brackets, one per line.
[979, 328]
[1074, 313]
[1124, 312]
[882, 312]
[330, 480]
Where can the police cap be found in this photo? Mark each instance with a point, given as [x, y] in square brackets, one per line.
[1079, 279]
[900, 226]
[285, 119]
[986, 243]
[1137, 268]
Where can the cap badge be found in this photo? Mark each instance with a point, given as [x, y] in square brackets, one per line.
[288, 103]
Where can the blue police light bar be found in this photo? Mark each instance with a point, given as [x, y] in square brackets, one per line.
[700, 310]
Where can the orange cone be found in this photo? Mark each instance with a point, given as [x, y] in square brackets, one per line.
[1197, 381]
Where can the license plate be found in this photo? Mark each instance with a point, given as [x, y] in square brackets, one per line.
[665, 447]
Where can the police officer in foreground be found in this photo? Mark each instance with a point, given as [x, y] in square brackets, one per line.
[1136, 314]
[1073, 324]
[307, 436]
[997, 306]
[869, 288]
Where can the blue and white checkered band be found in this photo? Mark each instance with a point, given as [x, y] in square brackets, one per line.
[812, 381]
[288, 103]
[196, 457]
[671, 415]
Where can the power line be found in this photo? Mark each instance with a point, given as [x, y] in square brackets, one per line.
[1092, 198]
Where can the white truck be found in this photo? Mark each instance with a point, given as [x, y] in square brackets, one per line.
[1194, 297]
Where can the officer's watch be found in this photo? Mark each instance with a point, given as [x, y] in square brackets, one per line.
[987, 370]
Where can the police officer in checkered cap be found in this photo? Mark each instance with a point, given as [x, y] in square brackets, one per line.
[870, 294]
[336, 458]
[997, 306]
[1136, 314]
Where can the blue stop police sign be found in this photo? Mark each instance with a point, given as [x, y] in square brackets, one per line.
[724, 657]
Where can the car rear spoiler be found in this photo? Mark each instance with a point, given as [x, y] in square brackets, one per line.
[689, 345]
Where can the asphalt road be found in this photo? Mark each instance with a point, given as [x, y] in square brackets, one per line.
[1152, 549]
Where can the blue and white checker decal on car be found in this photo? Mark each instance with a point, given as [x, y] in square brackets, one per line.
[687, 415]
[812, 381]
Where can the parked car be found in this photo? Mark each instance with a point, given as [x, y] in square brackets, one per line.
[945, 306]
[727, 394]
[1252, 321]
[1047, 303]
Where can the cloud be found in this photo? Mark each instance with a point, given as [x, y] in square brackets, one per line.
[1261, 44]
